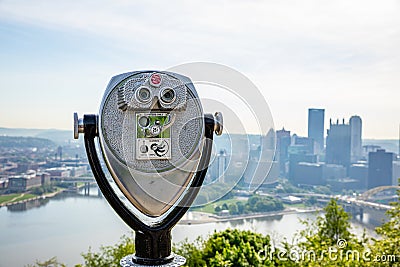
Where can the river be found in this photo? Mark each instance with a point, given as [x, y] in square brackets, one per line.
[69, 223]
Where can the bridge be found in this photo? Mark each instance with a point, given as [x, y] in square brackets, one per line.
[87, 180]
[83, 179]
[368, 194]
[358, 206]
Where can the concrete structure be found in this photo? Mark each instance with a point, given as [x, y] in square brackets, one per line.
[26, 181]
[222, 163]
[308, 173]
[305, 144]
[217, 169]
[359, 172]
[380, 168]
[294, 159]
[316, 119]
[333, 172]
[291, 200]
[59, 172]
[260, 173]
[369, 148]
[356, 141]
[338, 144]
[282, 146]
[396, 173]
[78, 171]
[3, 184]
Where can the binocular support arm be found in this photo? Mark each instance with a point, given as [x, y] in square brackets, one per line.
[152, 243]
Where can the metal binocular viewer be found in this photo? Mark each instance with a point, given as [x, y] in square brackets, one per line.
[156, 144]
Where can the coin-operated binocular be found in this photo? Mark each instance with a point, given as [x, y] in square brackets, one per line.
[156, 144]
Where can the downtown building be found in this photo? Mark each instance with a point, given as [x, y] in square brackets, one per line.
[283, 140]
[380, 168]
[338, 144]
[356, 138]
[316, 118]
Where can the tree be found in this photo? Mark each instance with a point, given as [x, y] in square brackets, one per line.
[311, 201]
[233, 210]
[240, 207]
[335, 224]
[109, 256]
[217, 209]
[389, 243]
[53, 262]
[329, 232]
[228, 248]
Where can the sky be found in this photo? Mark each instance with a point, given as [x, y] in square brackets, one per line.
[56, 57]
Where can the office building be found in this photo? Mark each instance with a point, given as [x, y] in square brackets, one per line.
[356, 135]
[282, 145]
[306, 173]
[359, 172]
[338, 144]
[380, 168]
[260, 173]
[218, 167]
[295, 159]
[316, 127]
[396, 173]
[304, 144]
[333, 172]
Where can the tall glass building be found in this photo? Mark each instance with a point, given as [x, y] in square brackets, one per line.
[316, 126]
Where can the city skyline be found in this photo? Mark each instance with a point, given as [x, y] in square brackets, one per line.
[343, 57]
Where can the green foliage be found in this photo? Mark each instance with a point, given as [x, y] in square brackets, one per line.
[193, 252]
[109, 256]
[8, 197]
[330, 232]
[44, 189]
[233, 210]
[240, 207]
[322, 190]
[263, 204]
[217, 209]
[228, 248]
[53, 262]
[311, 201]
[389, 241]
[255, 203]
[335, 224]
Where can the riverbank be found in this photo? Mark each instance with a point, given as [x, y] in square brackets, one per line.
[26, 197]
[196, 217]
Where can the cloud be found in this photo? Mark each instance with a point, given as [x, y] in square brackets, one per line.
[302, 52]
[295, 32]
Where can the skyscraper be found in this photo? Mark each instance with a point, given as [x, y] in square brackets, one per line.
[282, 145]
[380, 168]
[338, 143]
[316, 126]
[222, 158]
[356, 142]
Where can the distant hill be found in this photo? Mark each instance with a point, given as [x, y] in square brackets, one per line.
[390, 145]
[25, 142]
[57, 136]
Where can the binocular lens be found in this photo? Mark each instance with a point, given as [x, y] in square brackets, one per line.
[168, 95]
[144, 121]
[143, 94]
